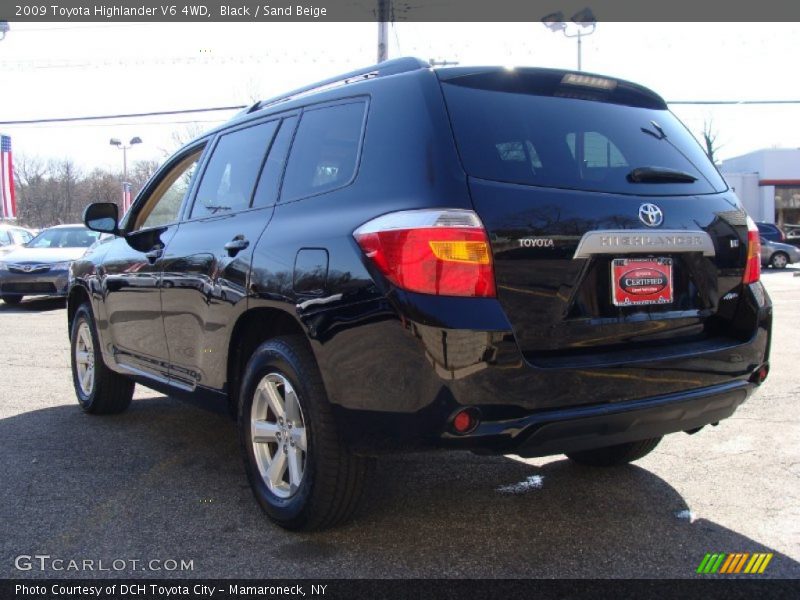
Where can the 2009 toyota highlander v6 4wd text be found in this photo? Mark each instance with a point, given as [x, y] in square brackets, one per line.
[525, 261]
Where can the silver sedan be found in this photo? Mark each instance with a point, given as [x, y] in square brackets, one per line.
[778, 255]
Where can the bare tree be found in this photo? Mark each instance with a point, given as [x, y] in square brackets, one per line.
[710, 144]
[181, 137]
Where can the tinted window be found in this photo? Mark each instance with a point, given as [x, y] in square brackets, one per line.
[66, 237]
[270, 180]
[20, 236]
[164, 203]
[325, 150]
[228, 181]
[572, 143]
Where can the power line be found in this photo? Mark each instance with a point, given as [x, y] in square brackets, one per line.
[52, 126]
[122, 116]
[241, 106]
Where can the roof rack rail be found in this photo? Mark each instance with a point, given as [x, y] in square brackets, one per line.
[389, 67]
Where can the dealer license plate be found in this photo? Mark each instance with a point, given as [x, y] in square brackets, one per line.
[639, 281]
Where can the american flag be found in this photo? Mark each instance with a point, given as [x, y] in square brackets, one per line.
[126, 197]
[8, 202]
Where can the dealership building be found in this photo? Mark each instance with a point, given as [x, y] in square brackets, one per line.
[768, 183]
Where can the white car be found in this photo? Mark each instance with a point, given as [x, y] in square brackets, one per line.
[12, 237]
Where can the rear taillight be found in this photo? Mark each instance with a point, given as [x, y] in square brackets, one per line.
[443, 252]
[752, 269]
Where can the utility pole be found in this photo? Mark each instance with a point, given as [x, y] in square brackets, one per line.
[383, 30]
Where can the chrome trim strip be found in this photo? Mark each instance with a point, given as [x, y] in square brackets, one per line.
[154, 377]
[638, 241]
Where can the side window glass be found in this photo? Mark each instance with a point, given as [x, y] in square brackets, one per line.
[23, 237]
[228, 181]
[325, 150]
[5, 239]
[270, 180]
[164, 204]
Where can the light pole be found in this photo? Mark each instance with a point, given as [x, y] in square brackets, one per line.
[584, 19]
[124, 148]
[126, 187]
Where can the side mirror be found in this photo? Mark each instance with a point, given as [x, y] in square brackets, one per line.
[102, 217]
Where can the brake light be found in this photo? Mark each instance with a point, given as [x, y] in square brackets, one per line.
[441, 252]
[752, 269]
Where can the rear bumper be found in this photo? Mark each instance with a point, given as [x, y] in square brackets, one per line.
[397, 383]
[557, 432]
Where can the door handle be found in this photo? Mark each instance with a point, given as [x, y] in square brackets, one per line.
[154, 254]
[236, 245]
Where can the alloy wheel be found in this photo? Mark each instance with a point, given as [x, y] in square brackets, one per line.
[84, 358]
[278, 435]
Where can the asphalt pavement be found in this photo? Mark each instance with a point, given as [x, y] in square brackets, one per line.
[163, 484]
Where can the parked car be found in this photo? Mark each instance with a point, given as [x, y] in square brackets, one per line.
[12, 237]
[777, 255]
[771, 232]
[403, 258]
[41, 265]
[793, 236]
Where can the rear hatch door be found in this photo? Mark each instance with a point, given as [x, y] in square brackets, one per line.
[614, 237]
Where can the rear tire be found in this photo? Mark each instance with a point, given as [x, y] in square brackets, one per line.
[612, 456]
[100, 390]
[779, 260]
[303, 480]
[12, 300]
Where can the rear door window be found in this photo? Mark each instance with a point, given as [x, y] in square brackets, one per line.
[555, 140]
[228, 180]
[325, 151]
[270, 180]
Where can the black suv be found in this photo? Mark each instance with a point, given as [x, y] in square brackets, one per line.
[525, 261]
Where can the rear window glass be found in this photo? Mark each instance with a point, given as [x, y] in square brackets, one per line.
[324, 154]
[572, 143]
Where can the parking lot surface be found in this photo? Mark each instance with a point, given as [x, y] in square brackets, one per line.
[164, 482]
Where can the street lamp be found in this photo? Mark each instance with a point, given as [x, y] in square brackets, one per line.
[126, 186]
[583, 19]
[124, 148]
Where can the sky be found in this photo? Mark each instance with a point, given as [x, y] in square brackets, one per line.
[72, 69]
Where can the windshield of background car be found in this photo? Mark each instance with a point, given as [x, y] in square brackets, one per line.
[68, 237]
[510, 128]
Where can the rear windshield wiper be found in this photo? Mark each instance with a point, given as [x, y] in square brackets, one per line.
[659, 175]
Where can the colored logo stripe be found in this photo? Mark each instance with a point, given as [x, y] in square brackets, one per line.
[720, 562]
